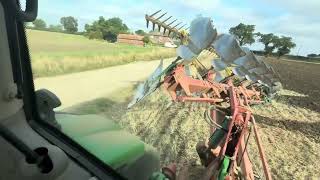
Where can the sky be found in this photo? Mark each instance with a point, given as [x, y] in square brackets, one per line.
[299, 19]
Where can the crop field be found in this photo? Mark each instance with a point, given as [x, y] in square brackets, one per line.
[289, 125]
[57, 53]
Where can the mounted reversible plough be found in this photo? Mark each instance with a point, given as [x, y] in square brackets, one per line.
[236, 80]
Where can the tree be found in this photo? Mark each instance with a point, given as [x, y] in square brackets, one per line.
[106, 29]
[39, 24]
[146, 39]
[110, 36]
[95, 35]
[140, 32]
[284, 44]
[244, 33]
[70, 24]
[270, 42]
[312, 55]
[55, 28]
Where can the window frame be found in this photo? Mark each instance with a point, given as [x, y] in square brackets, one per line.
[23, 77]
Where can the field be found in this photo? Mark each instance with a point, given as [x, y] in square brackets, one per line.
[57, 53]
[289, 125]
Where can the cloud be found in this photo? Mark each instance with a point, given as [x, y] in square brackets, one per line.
[308, 8]
[199, 5]
[304, 32]
[289, 19]
[298, 19]
[296, 25]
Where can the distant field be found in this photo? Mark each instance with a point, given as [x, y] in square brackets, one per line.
[57, 53]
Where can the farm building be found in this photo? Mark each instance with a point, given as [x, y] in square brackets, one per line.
[130, 39]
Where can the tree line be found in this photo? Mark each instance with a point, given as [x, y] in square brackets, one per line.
[280, 45]
[67, 24]
[108, 29]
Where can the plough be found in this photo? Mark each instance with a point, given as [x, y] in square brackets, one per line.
[235, 81]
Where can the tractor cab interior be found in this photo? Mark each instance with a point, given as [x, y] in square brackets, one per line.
[37, 143]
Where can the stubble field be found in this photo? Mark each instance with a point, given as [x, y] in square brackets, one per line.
[289, 125]
[55, 53]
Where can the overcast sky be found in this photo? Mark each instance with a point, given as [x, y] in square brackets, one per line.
[299, 19]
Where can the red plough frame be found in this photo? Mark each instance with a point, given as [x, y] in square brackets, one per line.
[184, 88]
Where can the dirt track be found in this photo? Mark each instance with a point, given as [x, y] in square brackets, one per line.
[76, 88]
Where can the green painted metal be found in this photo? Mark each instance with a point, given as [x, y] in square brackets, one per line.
[82, 125]
[224, 168]
[103, 138]
[115, 148]
[267, 99]
[218, 134]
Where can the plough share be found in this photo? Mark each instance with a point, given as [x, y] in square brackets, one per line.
[235, 81]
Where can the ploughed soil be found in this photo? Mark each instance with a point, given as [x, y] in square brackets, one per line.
[289, 126]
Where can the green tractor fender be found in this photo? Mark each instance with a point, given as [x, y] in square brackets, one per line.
[103, 138]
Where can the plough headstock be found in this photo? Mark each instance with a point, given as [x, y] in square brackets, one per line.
[171, 27]
[237, 78]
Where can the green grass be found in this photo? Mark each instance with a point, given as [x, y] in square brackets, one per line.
[57, 53]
